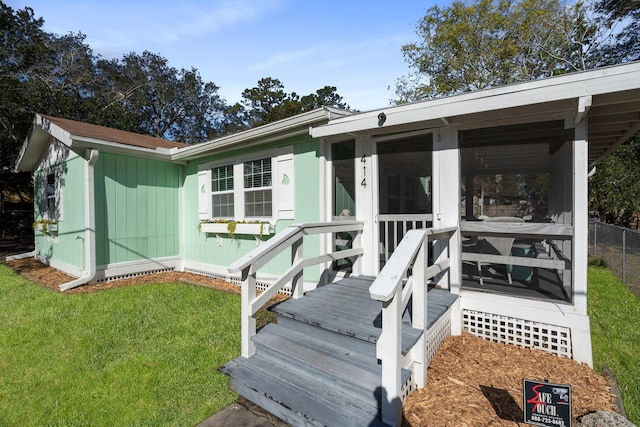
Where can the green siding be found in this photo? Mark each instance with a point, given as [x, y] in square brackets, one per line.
[136, 209]
[63, 246]
[204, 248]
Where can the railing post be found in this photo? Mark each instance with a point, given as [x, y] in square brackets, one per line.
[419, 313]
[455, 263]
[248, 322]
[297, 284]
[389, 351]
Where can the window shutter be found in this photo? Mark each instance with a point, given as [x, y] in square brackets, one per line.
[285, 183]
[204, 195]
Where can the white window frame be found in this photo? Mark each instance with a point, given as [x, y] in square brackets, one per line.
[281, 193]
[254, 189]
[223, 192]
[51, 206]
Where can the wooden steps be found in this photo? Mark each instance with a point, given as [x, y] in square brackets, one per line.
[318, 365]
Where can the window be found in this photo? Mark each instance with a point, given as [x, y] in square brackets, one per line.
[50, 206]
[260, 187]
[257, 188]
[222, 199]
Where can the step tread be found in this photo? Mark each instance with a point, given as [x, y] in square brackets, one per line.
[272, 335]
[341, 365]
[314, 399]
[345, 307]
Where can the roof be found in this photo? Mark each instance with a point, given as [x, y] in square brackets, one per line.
[81, 129]
[80, 137]
[608, 97]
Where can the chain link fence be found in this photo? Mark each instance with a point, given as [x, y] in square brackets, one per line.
[620, 248]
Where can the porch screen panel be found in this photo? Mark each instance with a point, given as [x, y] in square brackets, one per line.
[222, 192]
[404, 189]
[258, 197]
[405, 175]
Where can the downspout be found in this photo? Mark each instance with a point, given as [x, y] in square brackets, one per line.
[89, 239]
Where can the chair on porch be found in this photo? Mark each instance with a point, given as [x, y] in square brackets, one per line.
[491, 245]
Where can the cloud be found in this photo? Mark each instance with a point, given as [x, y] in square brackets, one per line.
[333, 54]
[192, 19]
[284, 58]
[125, 24]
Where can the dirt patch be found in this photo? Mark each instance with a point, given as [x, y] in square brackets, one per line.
[471, 381]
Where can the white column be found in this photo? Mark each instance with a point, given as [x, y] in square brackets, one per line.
[446, 192]
[579, 209]
[366, 205]
[581, 335]
[446, 176]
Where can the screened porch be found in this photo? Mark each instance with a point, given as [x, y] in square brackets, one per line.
[515, 204]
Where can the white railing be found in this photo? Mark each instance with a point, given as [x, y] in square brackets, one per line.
[292, 237]
[395, 287]
[548, 233]
[393, 228]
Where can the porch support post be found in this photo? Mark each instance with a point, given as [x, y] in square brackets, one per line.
[366, 208]
[446, 198]
[580, 208]
[581, 337]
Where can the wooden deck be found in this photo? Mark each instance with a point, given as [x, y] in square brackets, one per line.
[318, 365]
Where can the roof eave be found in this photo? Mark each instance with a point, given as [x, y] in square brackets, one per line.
[443, 110]
[33, 148]
[79, 143]
[292, 126]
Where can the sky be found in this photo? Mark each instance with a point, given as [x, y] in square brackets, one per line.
[354, 45]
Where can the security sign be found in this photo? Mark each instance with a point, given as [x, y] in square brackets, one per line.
[547, 404]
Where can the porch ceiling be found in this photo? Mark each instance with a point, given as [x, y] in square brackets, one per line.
[512, 149]
[613, 119]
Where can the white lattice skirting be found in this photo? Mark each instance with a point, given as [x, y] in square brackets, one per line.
[133, 275]
[440, 331]
[260, 286]
[523, 333]
[436, 335]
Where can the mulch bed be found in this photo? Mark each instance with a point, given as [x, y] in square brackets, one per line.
[475, 382]
[471, 381]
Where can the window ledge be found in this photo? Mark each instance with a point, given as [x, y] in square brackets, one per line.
[46, 228]
[264, 229]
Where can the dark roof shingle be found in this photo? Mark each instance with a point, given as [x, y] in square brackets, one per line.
[112, 135]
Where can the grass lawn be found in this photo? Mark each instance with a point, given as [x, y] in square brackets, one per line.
[148, 355]
[141, 355]
[615, 333]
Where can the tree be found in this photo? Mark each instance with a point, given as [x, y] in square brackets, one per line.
[625, 46]
[615, 187]
[60, 75]
[326, 96]
[165, 102]
[22, 48]
[268, 102]
[471, 46]
[64, 82]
